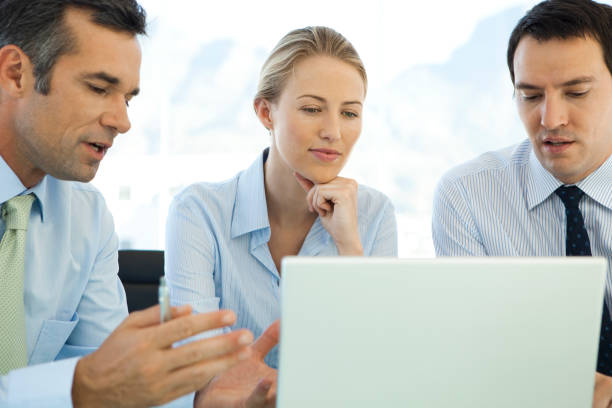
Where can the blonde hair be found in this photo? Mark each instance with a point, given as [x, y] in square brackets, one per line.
[299, 44]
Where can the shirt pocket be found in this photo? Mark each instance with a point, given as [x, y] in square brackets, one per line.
[51, 338]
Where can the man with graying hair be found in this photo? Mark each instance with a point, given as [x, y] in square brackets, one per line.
[551, 195]
[68, 70]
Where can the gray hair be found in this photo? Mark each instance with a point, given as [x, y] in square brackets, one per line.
[37, 27]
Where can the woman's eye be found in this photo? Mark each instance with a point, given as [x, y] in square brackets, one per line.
[350, 115]
[311, 109]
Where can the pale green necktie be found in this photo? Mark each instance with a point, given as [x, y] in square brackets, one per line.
[13, 352]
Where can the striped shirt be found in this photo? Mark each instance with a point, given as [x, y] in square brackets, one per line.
[503, 204]
[217, 252]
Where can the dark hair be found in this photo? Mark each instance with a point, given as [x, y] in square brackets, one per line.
[563, 19]
[37, 27]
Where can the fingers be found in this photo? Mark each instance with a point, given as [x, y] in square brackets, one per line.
[259, 397]
[304, 182]
[312, 198]
[602, 397]
[322, 200]
[267, 340]
[186, 326]
[195, 377]
[309, 198]
[151, 316]
[208, 349]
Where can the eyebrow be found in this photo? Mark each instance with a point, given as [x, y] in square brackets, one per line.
[571, 82]
[323, 99]
[111, 80]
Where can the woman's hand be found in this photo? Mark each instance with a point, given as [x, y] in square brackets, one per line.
[336, 204]
[249, 384]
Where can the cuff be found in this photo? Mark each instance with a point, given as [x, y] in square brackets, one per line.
[42, 385]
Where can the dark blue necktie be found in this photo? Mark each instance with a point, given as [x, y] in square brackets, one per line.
[577, 244]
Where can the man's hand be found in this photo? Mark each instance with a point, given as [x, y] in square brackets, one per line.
[137, 366]
[602, 398]
[336, 204]
[249, 384]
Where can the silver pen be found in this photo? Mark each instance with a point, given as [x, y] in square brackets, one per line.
[164, 301]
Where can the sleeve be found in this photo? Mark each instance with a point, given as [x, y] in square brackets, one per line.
[100, 308]
[190, 257]
[385, 241]
[53, 385]
[454, 229]
[190, 260]
[103, 305]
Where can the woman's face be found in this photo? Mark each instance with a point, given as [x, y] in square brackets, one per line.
[317, 118]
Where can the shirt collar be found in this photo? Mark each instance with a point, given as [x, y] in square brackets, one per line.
[541, 183]
[597, 185]
[11, 187]
[250, 207]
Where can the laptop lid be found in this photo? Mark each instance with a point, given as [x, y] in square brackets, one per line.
[447, 332]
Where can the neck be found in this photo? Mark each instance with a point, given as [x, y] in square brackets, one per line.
[286, 199]
[23, 168]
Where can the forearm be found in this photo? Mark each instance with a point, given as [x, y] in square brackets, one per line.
[352, 247]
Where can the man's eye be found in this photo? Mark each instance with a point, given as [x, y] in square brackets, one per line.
[530, 98]
[99, 91]
[577, 94]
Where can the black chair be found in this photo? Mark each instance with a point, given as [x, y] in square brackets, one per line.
[139, 272]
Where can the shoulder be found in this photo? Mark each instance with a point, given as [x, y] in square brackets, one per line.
[81, 211]
[82, 191]
[372, 202]
[78, 197]
[204, 197]
[492, 168]
[377, 223]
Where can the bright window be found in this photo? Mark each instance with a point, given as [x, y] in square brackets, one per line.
[439, 94]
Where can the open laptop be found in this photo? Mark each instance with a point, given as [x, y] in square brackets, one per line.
[449, 332]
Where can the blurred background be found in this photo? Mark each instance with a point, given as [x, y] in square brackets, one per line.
[439, 94]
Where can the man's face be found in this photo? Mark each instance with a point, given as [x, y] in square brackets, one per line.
[67, 132]
[564, 97]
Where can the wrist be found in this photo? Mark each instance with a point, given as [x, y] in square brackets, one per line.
[82, 386]
[353, 248]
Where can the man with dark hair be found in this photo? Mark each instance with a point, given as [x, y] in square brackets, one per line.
[552, 194]
[68, 69]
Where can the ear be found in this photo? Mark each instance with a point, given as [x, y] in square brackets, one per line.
[263, 109]
[15, 71]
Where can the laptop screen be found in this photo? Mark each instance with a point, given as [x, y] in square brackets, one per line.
[460, 332]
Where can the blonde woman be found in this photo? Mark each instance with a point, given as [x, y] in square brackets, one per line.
[225, 241]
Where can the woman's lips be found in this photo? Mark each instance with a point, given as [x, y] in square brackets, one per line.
[325, 155]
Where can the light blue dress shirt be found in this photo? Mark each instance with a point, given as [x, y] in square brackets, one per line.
[217, 252]
[503, 204]
[73, 297]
